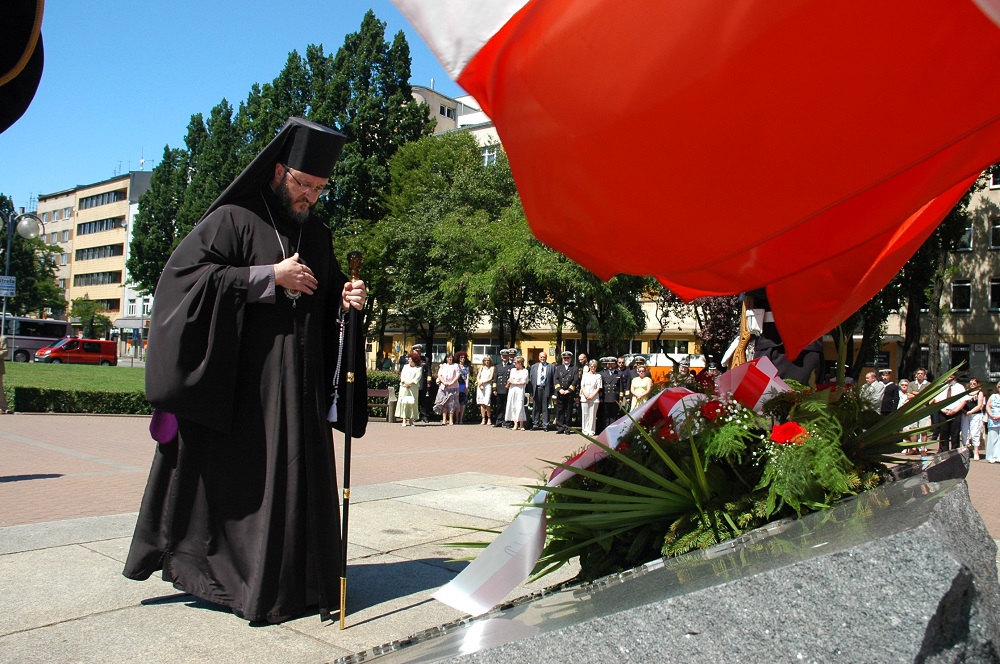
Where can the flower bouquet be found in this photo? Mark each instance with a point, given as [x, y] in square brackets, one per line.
[690, 470]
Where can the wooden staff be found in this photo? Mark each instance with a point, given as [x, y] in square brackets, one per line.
[354, 261]
[740, 356]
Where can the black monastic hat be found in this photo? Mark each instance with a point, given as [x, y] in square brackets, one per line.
[301, 144]
[21, 58]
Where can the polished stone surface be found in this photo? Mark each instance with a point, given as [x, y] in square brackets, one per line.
[903, 573]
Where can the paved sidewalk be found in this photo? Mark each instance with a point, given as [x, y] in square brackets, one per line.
[70, 487]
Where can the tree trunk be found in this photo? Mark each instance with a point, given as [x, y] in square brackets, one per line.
[934, 316]
[911, 338]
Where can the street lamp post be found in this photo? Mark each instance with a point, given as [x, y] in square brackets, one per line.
[29, 226]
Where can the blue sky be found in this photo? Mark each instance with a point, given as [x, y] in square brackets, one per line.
[122, 78]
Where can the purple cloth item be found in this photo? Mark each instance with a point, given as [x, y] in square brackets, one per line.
[163, 426]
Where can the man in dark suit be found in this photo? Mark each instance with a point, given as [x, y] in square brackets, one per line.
[564, 387]
[539, 387]
[608, 410]
[890, 396]
[500, 388]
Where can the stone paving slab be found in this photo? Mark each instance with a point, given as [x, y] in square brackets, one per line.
[69, 534]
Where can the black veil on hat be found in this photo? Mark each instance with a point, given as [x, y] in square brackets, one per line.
[21, 57]
[301, 144]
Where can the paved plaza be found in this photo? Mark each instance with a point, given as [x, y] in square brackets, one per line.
[70, 486]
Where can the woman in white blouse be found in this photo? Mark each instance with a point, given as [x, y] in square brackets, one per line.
[484, 389]
[590, 392]
[515, 394]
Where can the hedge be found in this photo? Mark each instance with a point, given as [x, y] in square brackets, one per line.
[55, 400]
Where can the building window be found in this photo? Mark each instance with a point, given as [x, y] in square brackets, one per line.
[100, 225]
[67, 212]
[675, 346]
[576, 347]
[438, 351]
[995, 181]
[995, 233]
[131, 308]
[447, 112]
[45, 217]
[55, 215]
[62, 284]
[65, 235]
[64, 259]
[634, 346]
[102, 199]
[994, 365]
[961, 295]
[107, 251]
[964, 243]
[489, 155]
[959, 354]
[483, 347]
[97, 279]
[147, 306]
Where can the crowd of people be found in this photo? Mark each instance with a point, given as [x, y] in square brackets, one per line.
[966, 422]
[590, 394]
[575, 392]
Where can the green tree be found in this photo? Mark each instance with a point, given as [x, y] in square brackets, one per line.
[213, 164]
[368, 98]
[154, 228]
[95, 324]
[32, 262]
[718, 323]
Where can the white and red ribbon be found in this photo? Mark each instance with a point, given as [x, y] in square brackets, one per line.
[512, 556]
[752, 383]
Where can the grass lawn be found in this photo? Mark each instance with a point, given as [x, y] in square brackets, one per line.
[80, 377]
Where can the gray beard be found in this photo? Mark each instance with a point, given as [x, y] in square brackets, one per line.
[287, 199]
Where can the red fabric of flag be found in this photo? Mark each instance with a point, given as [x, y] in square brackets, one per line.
[808, 147]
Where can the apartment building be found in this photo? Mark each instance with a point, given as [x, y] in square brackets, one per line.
[90, 224]
[58, 212]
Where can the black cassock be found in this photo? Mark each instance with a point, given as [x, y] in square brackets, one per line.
[242, 510]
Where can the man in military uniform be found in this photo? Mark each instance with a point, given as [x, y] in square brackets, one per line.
[682, 376]
[623, 375]
[500, 389]
[564, 387]
[706, 379]
[608, 411]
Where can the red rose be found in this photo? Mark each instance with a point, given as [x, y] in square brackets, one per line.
[651, 418]
[711, 410]
[789, 433]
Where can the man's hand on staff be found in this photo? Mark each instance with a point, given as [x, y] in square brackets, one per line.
[295, 275]
[355, 294]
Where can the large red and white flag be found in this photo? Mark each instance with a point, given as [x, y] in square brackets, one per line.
[803, 146]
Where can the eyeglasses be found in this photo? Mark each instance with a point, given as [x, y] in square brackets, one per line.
[319, 191]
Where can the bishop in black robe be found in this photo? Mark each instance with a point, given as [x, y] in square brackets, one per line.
[242, 508]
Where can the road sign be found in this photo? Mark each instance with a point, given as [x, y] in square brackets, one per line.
[8, 286]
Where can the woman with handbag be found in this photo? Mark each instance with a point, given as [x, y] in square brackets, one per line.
[409, 383]
[972, 416]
